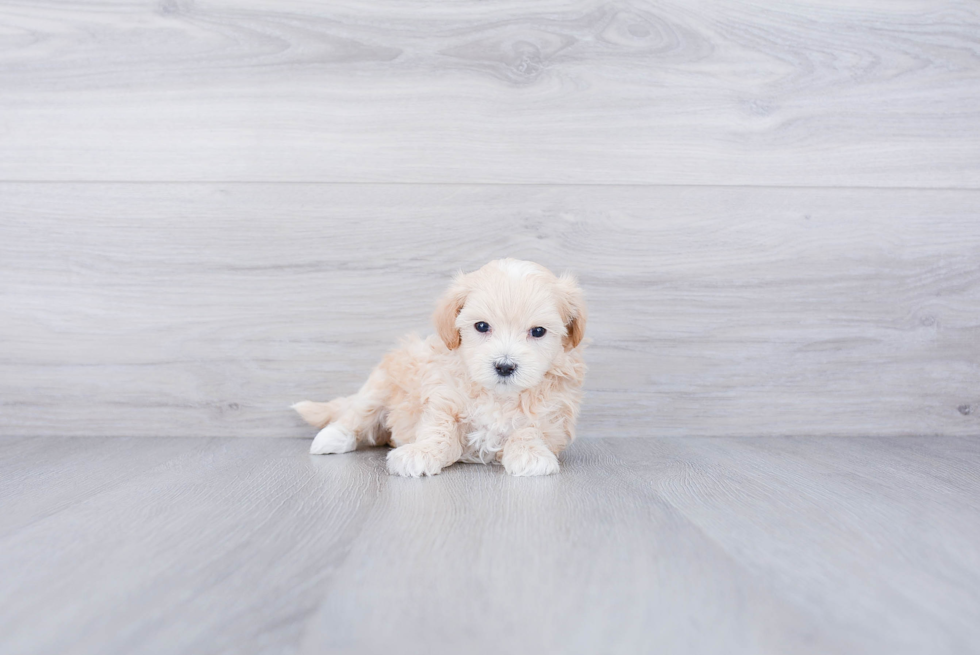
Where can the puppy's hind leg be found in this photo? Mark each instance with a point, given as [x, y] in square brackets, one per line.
[357, 419]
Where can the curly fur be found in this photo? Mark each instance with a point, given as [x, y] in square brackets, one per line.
[441, 399]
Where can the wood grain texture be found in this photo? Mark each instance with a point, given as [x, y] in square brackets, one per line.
[221, 547]
[141, 310]
[812, 92]
[748, 545]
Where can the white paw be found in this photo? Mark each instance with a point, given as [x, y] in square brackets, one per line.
[333, 439]
[413, 461]
[530, 459]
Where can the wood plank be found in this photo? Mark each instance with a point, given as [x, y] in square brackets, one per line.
[587, 561]
[40, 476]
[136, 310]
[859, 532]
[812, 92]
[221, 549]
[694, 545]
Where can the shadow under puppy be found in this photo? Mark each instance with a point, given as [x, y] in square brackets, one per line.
[501, 382]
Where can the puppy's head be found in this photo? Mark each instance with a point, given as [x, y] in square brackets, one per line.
[510, 321]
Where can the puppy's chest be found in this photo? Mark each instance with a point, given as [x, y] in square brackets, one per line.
[485, 427]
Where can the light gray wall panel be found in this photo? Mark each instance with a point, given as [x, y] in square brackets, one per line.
[806, 92]
[206, 309]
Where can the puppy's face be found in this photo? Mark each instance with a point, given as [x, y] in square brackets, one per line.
[510, 321]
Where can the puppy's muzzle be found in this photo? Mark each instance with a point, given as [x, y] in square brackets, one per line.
[504, 368]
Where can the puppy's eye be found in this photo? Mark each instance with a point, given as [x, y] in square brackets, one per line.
[482, 327]
[537, 332]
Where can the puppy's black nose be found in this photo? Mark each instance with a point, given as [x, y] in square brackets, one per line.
[504, 368]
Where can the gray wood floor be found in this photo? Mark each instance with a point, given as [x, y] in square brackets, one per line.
[710, 545]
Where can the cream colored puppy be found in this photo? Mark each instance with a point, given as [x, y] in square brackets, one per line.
[501, 382]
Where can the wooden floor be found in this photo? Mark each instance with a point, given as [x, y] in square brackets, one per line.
[686, 545]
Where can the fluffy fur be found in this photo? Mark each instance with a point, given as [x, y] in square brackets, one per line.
[442, 399]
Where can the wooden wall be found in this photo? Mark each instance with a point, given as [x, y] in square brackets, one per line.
[209, 210]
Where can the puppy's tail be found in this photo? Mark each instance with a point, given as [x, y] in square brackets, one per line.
[317, 414]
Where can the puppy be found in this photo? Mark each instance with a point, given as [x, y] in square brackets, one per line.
[501, 382]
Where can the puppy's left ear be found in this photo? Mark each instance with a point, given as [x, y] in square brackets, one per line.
[571, 305]
[447, 309]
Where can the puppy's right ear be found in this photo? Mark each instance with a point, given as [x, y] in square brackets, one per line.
[447, 309]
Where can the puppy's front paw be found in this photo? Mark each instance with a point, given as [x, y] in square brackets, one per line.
[529, 459]
[333, 439]
[413, 461]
